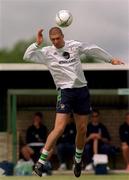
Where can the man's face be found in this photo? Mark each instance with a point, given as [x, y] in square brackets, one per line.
[36, 121]
[95, 117]
[57, 40]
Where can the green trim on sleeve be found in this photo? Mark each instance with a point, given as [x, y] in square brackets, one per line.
[38, 46]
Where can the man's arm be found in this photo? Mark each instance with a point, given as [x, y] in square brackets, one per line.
[39, 37]
[105, 136]
[33, 52]
[99, 53]
[92, 136]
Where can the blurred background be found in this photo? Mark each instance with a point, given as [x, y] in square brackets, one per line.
[100, 22]
[26, 88]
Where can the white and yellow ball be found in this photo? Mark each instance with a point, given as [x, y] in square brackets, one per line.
[64, 18]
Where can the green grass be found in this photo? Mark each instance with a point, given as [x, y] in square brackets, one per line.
[69, 177]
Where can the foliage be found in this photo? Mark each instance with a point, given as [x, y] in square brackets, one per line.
[15, 55]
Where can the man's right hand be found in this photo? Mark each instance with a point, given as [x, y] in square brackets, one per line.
[95, 136]
[39, 37]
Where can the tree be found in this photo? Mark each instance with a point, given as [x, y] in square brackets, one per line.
[15, 55]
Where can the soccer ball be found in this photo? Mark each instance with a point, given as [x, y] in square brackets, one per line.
[64, 18]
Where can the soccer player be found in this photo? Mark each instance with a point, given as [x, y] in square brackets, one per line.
[63, 61]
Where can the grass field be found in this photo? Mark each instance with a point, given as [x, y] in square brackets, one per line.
[69, 177]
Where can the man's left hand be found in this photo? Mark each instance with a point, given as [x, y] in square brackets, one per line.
[116, 61]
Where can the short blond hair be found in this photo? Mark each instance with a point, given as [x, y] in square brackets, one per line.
[55, 30]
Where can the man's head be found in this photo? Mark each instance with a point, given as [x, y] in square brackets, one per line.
[56, 36]
[37, 119]
[95, 116]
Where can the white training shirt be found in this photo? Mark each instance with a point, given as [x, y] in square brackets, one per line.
[66, 71]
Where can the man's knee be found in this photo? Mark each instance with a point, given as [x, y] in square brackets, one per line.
[58, 130]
